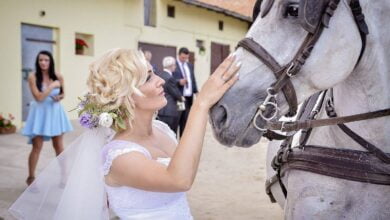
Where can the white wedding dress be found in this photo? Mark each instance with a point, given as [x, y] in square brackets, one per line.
[130, 203]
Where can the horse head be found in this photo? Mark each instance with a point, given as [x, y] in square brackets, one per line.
[305, 46]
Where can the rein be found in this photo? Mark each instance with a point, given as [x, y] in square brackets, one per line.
[288, 126]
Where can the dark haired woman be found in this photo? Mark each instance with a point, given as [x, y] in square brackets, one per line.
[46, 118]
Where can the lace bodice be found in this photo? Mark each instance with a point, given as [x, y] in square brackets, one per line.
[131, 203]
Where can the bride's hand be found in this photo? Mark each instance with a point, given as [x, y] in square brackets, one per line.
[219, 82]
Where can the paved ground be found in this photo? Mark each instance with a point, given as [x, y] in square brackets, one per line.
[230, 183]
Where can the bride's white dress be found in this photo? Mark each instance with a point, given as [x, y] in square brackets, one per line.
[131, 203]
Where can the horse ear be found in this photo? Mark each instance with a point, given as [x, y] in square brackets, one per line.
[256, 10]
[310, 13]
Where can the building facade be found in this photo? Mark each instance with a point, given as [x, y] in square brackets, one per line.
[161, 26]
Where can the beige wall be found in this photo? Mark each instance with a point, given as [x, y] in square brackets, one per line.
[113, 24]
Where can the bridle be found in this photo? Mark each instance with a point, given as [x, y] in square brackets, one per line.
[268, 109]
[370, 166]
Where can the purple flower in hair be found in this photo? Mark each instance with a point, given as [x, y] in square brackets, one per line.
[81, 105]
[88, 121]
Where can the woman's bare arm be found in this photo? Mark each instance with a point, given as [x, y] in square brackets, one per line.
[135, 170]
[38, 95]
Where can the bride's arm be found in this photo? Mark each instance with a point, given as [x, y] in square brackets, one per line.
[135, 170]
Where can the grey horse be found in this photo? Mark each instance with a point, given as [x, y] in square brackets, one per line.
[357, 88]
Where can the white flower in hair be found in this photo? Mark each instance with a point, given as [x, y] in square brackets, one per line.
[105, 119]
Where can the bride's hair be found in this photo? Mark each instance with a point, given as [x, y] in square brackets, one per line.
[114, 77]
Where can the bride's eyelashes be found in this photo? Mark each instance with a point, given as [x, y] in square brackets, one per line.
[148, 78]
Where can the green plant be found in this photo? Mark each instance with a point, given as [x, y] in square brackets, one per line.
[6, 122]
[202, 50]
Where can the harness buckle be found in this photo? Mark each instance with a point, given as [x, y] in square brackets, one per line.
[289, 70]
[285, 155]
[283, 127]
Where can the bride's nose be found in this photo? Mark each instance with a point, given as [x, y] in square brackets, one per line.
[160, 82]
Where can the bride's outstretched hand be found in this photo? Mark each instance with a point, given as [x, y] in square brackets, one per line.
[219, 82]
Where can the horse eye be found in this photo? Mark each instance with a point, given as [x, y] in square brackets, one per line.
[292, 10]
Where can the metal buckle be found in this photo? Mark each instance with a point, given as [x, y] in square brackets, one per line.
[288, 72]
[285, 154]
[284, 123]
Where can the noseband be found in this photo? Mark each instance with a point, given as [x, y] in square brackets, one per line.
[268, 110]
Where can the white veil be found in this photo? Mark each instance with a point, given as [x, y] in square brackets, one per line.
[71, 186]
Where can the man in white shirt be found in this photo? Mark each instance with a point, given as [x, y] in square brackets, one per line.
[185, 78]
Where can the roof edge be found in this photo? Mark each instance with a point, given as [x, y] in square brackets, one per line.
[218, 9]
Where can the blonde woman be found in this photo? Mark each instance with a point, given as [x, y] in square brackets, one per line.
[146, 172]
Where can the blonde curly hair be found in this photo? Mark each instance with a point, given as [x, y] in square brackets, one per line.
[114, 77]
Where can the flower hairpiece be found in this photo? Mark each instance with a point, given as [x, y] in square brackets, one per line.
[92, 115]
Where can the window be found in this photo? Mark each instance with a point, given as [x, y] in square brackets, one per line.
[150, 13]
[84, 44]
[201, 47]
[220, 25]
[171, 11]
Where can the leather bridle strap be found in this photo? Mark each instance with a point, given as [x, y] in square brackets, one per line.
[331, 112]
[258, 51]
[361, 23]
[367, 145]
[304, 53]
[283, 74]
[262, 54]
[297, 125]
[271, 135]
[316, 101]
[299, 60]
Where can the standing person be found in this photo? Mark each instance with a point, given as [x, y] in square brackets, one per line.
[185, 76]
[169, 113]
[141, 168]
[148, 56]
[46, 117]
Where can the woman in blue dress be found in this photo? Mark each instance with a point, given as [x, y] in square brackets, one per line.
[46, 118]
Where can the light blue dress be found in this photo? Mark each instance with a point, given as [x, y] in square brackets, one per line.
[46, 118]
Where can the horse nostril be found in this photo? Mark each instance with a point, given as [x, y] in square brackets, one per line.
[220, 116]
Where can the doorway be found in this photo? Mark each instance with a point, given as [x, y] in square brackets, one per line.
[34, 39]
[158, 53]
[218, 53]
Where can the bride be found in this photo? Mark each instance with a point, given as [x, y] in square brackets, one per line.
[139, 171]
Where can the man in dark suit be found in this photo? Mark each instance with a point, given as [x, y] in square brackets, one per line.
[185, 78]
[170, 114]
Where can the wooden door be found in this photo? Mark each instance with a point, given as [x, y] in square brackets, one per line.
[218, 53]
[158, 53]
